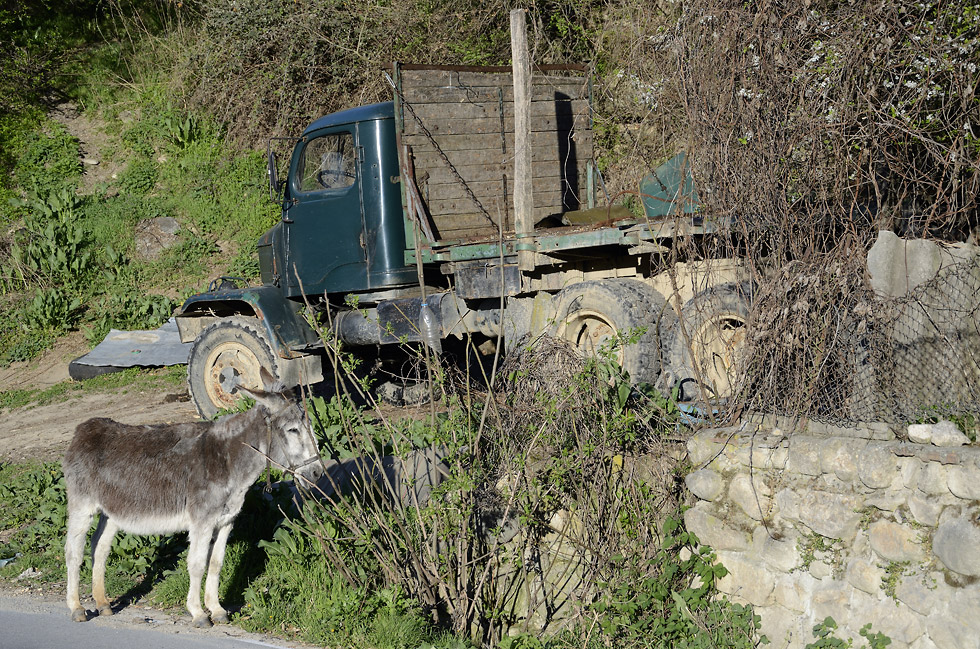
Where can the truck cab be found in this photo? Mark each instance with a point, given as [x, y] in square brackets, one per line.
[342, 228]
[341, 232]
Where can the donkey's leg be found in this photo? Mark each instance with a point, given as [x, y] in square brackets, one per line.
[101, 545]
[197, 559]
[218, 614]
[79, 520]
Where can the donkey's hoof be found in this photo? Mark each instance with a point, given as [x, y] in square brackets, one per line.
[220, 618]
[105, 610]
[202, 622]
[79, 615]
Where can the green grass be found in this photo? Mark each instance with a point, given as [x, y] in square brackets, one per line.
[161, 379]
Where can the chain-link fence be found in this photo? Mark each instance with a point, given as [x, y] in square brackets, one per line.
[829, 341]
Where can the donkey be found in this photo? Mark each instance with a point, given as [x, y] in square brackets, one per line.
[161, 479]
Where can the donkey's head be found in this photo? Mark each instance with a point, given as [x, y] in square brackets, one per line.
[291, 441]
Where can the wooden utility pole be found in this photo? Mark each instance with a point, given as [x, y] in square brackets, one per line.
[523, 196]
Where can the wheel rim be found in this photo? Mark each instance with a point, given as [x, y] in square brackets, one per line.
[717, 348]
[229, 365]
[590, 331]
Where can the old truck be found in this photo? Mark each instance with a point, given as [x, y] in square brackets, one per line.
[469, 205]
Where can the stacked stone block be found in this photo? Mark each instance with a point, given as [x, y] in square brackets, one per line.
[879, 531]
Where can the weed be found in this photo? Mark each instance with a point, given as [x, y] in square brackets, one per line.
[183, 131]
[48, 160]
[52, 249]
[811, 545]
[826, 638]
[139, 178]
[966, 422]
[894, 572]
[674, 603]
[35, 506]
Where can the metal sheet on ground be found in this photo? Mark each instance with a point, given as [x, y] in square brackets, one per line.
[154, 348]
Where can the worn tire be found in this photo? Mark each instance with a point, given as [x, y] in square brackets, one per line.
[590, 313]
[706, 361]
[227, 354]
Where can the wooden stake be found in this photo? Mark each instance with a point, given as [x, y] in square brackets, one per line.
[523, 197]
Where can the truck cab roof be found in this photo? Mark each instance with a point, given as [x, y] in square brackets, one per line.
[384, 110]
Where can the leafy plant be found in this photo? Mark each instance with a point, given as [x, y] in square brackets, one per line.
[139, 177]
[826, 638]
[52, 310]
[183, 131]
[671, 601]
[53, 248]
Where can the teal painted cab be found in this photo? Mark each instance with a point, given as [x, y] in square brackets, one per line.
[342, 229]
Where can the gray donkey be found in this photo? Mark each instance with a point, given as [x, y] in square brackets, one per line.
[161, 479]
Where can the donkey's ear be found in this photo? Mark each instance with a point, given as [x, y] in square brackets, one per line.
[273, 395]
[272, 401]
[269, 382]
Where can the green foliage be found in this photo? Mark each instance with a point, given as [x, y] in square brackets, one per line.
[50, 263]
[51, 310]
[826, 638]
[52, 249]
[126, 310]
[301, 590]
[811, 545]
[673, 605]
[894, 572]
[35, 505]
[47, 161]
[967, 422]
[558, 455]
[140, 177]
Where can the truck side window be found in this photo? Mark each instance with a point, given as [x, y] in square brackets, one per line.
[328, 163]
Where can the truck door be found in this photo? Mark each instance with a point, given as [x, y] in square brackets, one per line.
[324, 224]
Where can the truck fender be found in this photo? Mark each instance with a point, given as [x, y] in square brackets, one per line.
[288, 332]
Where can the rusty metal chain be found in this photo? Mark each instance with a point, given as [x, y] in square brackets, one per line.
[442, 154]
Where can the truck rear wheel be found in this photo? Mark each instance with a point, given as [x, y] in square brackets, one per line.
[226, 355]
[706, 357]
[592, 314]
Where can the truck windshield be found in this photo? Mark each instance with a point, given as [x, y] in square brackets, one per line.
[327, 163]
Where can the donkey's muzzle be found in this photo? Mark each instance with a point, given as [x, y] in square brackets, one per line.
[311, 469]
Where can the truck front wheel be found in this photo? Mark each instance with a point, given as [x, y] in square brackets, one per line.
[226, 355]
[594, 314]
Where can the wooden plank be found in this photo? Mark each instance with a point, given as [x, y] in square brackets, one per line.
[495, 187]
[567, 92]
[491, 142]
[491, 110]
[442, 78]
[549, 203]
[492, 170]
[491, 124]
[469, 234]
[459, 226]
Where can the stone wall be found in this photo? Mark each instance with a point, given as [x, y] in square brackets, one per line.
[841, 524]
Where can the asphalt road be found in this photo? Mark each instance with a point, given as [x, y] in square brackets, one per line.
[40, 622]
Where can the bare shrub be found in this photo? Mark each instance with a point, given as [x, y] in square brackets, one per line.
[540, 495]
[811, 127]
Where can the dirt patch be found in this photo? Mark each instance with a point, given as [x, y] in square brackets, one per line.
[43, 432]
[51, 368]
[93, 142]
